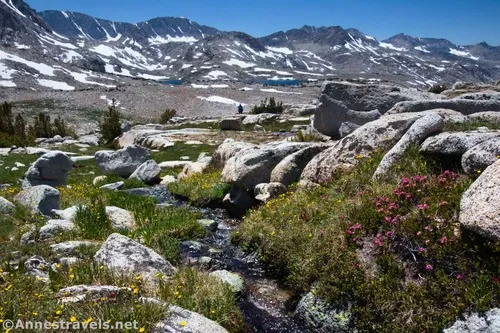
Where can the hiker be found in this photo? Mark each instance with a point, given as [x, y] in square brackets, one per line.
[240, 109]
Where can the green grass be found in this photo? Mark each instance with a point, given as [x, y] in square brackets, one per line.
[470, 125]
[199, 292]
[202, 189]
[26, 298]
[92, 220]
[181, 149]
[12, 177]
[397, 262]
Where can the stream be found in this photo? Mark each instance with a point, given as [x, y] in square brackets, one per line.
[266, 307]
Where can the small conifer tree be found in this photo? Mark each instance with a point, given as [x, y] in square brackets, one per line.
[111, 124]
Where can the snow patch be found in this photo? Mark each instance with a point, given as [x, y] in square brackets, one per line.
[152, 77]
[9, 4]
[391, 47]
[53, 41]
[422, 49]
[39, 67]
[463, 54]
[57, 85]
[22, 47]
[239, 63]
[68, 56]
[306, 73]
[7, 84]
[284, 50]
[214, 75]
[222, 100]
[158, 40]
[280, 92]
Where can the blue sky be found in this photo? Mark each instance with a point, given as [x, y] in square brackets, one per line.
[461, 21]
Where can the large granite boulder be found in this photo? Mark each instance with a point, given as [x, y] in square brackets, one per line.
[50, 169]
[228, 149]
[184, 321]
[288, 171]
[418, 132]
[464, 106]
[201, 164]
[148, 173]
[253, 166]
[125, 256]
[456, 143]
[481, 156]
[122, 162]
[331, 113]
[41, 199]
[479, 207]
[231, 124]
[300, 110]
[260, 119]
[154, 136]
[365, 97]
[490, 116]
[383, 134]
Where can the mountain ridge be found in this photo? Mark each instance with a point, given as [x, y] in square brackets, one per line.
[178, 48]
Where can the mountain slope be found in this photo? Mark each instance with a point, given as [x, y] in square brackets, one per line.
[68, 50]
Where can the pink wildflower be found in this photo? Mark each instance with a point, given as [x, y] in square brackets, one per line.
[428, 267]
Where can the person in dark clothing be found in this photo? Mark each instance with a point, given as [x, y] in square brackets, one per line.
[240, 109]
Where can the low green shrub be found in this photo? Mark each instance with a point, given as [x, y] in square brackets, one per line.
[303, 136]
[110, 124]
[437, 88]
[167, 115]
[201, 189]
[268, 107]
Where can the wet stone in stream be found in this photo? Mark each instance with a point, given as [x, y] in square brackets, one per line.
[266, 307]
